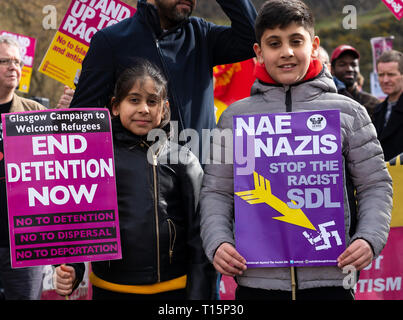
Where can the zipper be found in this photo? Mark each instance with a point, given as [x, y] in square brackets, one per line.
[288, 100]
[155, 163]
[172, 239]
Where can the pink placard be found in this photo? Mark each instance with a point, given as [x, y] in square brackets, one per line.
[382, 280]
[396, 6]
[84, 18]
[227, 288]
[27, 45]
[61, 188]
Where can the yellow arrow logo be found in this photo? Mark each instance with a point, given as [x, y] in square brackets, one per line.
[262, 194]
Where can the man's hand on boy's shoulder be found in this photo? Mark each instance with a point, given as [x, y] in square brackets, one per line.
[359, 254]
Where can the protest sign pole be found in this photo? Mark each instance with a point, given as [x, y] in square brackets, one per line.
[293, 283]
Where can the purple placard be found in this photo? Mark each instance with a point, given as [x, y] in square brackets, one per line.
[288, 188]
[84, 18]
[61, 189]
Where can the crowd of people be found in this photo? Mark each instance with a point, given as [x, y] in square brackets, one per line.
[178, 238]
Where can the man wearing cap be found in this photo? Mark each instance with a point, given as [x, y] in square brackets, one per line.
[388, 116]
[345, 70]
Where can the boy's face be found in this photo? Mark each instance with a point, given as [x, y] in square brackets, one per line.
[286, 53]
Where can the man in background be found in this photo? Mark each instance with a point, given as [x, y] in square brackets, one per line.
[345, 69]
[388, 116]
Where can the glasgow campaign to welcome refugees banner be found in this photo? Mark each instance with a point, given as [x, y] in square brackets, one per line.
[70, 44]
[61, 189]
[27, 45]
[289, 207]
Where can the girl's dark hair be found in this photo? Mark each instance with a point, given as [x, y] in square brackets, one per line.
[140, 69]
[281, 13]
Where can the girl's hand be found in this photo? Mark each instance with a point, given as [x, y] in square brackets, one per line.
[63, 279]
[228, 261]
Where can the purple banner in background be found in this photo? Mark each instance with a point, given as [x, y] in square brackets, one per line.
[61, 188]
[288, 188]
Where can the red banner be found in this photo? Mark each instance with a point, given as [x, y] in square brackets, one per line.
[396, 7]
[232, 83]
[382, 279]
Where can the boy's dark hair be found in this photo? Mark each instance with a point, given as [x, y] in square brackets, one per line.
[281, 13]
[392, 56]
[140, 69]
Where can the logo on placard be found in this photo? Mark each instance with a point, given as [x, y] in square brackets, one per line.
[316, 122]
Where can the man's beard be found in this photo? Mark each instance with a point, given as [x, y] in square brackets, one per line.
[172, 13]
[350, 82]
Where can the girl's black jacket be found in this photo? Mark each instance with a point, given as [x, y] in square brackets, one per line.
[158, 186]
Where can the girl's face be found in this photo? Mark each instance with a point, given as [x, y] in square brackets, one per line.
[142, 109]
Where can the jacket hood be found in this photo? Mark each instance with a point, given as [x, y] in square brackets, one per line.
[318, 79]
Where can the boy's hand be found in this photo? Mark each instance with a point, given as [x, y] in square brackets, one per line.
[228, 261]
[358, 254]
[63, 279]
[66, 98]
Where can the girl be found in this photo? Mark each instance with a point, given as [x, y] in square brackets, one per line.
[159, 224]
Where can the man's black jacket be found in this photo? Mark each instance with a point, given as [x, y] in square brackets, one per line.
[186, 54]
[391, 135]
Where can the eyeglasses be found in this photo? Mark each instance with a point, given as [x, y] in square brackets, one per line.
[9, 62]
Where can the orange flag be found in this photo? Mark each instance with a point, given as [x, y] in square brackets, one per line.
[232, 82]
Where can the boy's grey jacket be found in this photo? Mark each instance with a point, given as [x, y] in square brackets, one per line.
[362, 156]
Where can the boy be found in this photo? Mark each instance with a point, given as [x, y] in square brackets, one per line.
[291, 79]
